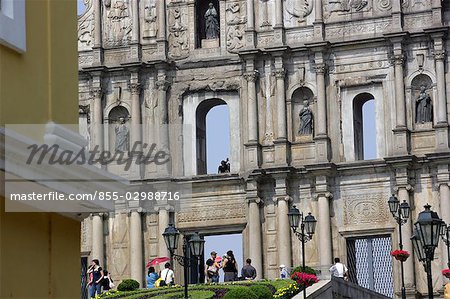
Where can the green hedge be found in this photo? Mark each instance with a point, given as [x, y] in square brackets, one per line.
[128, 285]
[240, 292]
[261, 291]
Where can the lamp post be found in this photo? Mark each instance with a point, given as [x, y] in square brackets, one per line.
[307, 224]
[445, 234]
[196, 246]
[425, 239]
[400, 212]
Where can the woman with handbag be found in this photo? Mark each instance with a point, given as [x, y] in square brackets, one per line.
[107, 282]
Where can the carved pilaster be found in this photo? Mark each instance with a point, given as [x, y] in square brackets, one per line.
[251, 76]
[320, 68]
[439, 55]
[280, 73]
[162, 84]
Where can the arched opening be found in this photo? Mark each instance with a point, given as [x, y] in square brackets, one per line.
[302, 113]
[364, 127]
[422, 96]
[213, 135]
[201, 9]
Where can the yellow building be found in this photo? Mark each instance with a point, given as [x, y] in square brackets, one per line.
[38, 83]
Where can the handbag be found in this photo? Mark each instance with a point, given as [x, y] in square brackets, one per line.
[111, 283]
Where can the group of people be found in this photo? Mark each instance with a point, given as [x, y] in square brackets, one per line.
[165, 278]
[229, 266]
[99, 280]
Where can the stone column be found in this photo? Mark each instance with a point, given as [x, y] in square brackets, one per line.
[284, 229]
[321, 100]
[318, 20]
[97, 23]
[136, 241]
[444, 195]
[97, 238]
[162, 85]
[399, 91]
[163, 223]
[281, 104]
[250, 30]
[441, 107]
[97, 114]
[135, 89]
[252, 108]
[408, 266]
[135, 24]
[324, 224]
[278, 13]
[161, 19]
[97, 46]
[397, 15]
[255, 244]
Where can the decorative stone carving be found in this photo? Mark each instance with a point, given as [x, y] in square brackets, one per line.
[383, 5]
[235, 14]
[86, 27]
[267, 90]
[211, 22]
[234, 38]
[416, 5]
[358, 29]
[342, 7]
[178, 37]
[118, 22]
[365, 209]
[264, 13]
[135, 88]
[85, 110]
[237, 211]
[298, 10]
[150, 30]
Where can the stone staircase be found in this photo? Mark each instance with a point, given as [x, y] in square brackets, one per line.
[338, 289]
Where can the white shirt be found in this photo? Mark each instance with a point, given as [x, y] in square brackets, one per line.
[338, 270]
[167, 275]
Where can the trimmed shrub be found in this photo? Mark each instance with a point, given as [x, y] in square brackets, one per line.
[261, 291]
[308, 270]
[240, 293]
[128, 285]
[192, 295]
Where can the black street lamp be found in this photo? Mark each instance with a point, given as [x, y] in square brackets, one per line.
[196, 247]
[307, 224]
[427, 230]
[400, 212]
[445, 234]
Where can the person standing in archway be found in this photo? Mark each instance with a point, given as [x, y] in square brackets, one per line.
[230, 267]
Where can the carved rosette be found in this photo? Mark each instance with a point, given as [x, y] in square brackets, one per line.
[383, 5]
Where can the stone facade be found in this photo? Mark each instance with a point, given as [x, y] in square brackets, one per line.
[143, 59]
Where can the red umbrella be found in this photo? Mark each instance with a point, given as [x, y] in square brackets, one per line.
[157, 261]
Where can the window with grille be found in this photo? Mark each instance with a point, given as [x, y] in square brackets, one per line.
[370, 263]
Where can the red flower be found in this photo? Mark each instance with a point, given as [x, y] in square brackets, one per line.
[304, 279]
[401, 255]
[446, 273]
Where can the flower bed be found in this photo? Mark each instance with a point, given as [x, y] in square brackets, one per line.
[304, 280]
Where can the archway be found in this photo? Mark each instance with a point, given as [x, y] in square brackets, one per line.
[364, 127]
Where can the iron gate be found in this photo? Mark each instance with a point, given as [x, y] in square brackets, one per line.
[370, 263]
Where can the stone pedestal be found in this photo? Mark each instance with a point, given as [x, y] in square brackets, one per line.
[210, 43]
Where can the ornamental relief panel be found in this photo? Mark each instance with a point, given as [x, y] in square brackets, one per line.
[86, 27]
[236, 19]
[236, 211]
[355, 9]
[365, 209]
[358, 28]
[117, 22]
[416, 5]
[296, 13]
[178, 33]
[148, 18]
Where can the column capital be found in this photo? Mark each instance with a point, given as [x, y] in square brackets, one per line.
[439, 55]
[285, 198]
[320, 68]
[96, 92]
[398, 59]
[325, 194]
[251, 76]
[162, 84]
[168, 208]
[139, 210]
[101, 215]
[407, 187]
[135, 88]
[256, 200]
[279, 73]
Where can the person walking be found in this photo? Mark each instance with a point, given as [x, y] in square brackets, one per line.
[95, 273]
[107, 282]
[230, 267]
[339, 269]
[248, 272]
[152, 277]
[212, 269]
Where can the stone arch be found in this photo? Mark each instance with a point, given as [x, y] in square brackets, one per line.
[358, 120]
[361, 94]
[195, 107]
